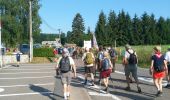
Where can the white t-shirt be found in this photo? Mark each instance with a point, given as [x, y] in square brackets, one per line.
[70, 59]
[167, 56]
[127, 53]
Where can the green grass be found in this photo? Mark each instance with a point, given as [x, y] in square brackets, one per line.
[144, 53]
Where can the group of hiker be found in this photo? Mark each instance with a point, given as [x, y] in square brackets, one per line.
[103, 61]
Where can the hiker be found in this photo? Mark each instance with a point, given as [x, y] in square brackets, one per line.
[130, 61]
[113, 58]
[66, 64]
[167, 58]
[88, 59]
[158, 68]
[100, 57]
[106, 67]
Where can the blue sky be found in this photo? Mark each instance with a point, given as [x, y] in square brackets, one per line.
[59, 14]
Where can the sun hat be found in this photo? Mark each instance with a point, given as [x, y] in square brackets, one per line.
[157, 48]
[127, 46]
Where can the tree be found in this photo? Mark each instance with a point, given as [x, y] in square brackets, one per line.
[112, 27]
[77, 30]
[16, 21]
[100, 29]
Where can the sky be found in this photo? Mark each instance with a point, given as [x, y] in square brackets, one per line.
[59, 14]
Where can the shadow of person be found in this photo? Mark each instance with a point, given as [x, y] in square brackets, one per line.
[43, 91]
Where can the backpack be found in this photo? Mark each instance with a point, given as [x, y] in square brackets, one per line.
[105, 64]
[158, 63]
[132, 58]
[65, 64]
[112, 53]
[89, 58]
[100, 56]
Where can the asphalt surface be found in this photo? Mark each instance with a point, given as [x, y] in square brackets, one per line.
[38, 82]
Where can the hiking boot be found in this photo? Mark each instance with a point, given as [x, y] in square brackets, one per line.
[130, 80]
[139, 90]
[106, 90]
[127, 88]
[85, 83]
[159, 93]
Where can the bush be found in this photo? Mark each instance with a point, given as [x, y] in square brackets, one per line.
[43, 52]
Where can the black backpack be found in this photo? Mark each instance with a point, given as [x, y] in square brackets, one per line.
[132, 58]
[112, 53]
[105, 64]
[158, 63]
[65, 65]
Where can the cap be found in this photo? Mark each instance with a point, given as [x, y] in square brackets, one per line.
[127, 46]
[157, 48]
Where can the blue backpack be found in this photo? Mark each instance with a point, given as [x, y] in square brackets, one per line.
[105, 64]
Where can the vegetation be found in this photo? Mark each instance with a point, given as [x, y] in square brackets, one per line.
[15, 21]
[43, 52]
[144, 53]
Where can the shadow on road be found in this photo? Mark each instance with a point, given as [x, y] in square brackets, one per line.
[43, 91]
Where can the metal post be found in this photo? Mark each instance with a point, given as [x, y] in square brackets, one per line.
[59, 35]
[30, 23]
[0, 42]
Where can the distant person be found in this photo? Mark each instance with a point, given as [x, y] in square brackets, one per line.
[106, 67]
[167, 58]
[130, 61]
[88, 59]
[113, 58]
[18, 57]
[157, 69]
[66, 64]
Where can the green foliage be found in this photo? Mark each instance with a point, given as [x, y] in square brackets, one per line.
[77, 30]
[43, 52]
[135, 31]
[15, 21]
[144, 53]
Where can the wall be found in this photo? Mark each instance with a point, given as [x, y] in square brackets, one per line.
[8, 59]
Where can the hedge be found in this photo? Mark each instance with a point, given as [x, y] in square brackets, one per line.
[43, 52]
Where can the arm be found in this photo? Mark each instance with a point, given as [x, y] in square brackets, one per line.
[151, 67]
[57, 65]
[73, 66]
[166, 68]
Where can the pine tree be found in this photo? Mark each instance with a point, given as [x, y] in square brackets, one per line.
[78, 30]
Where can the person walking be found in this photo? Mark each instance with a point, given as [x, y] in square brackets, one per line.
[158, 68]
[106, 67]
[130, 62]
[167, 58]
[113, 58]
[66, 65]
[88, 59]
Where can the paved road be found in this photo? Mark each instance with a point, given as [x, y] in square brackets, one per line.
[37, 82]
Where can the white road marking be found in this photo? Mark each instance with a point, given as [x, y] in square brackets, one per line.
[25, 78]
[97, 87]
[1, 89]
[25, 85]
[31, 69]
[146, 79]
[27, 73]
[20, 94]
[102, 94]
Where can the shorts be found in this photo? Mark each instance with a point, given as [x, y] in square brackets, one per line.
[158, 75]
[66, 78]
[105, 73]
[89, 69]
[131, 68]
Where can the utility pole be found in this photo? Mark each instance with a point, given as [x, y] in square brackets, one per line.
[59, 35]
[0, 41]
[30, 24]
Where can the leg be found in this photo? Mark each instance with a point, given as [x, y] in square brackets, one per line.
[65, 91]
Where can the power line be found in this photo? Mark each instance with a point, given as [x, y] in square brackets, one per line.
[49, 26]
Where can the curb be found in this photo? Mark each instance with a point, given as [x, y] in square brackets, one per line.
[88, 96]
